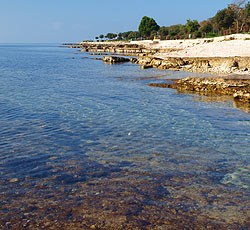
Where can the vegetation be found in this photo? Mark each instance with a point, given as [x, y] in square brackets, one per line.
[148, 26]
[233, 19]
[192, 26]
[111, 36]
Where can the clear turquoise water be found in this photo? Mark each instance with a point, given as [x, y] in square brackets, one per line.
[65, 118]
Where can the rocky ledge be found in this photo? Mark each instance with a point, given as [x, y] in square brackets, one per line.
[125, 48]
[238, 88]
[225, 65]
[113, 59]
[149, 56]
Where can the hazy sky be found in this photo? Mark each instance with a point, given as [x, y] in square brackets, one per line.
[77, 20]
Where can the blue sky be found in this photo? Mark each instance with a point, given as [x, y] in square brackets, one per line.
[27, 21]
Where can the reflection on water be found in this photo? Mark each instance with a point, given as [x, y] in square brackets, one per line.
[143, 78]
[81, 149]
[242, 106]
[213, 98]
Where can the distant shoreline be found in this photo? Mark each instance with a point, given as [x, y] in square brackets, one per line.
[221, 55]
[227, 55]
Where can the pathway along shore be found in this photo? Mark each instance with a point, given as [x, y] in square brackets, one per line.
[227, 55]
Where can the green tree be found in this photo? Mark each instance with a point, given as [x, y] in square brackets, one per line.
[224, 19]
[163, 31]
[120, 36]
[197, 34]
[206, 26]
[192, 26]
[133, 35]
[101, 36]
[247, 10]
[126, 34]
[239, 13]
[174, 30]
[110, 36]
[183, 30]
[152, 35]
[147, 26]
[247, 13]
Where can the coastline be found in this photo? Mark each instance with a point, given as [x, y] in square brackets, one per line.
[238, 88]
[223, 56]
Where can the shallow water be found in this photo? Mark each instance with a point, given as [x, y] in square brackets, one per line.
[85, 143]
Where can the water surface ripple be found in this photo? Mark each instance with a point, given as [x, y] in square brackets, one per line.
[83, 143]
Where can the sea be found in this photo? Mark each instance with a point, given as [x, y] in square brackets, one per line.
[89, 145]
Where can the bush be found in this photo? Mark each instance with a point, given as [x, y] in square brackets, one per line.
[211, 35]
[198, 34]
[168, 37]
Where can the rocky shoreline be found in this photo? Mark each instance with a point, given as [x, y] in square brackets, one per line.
[238, 88]
[152, 57]
[116, 48]
[227, 65]
[218, 65]
[146, 57]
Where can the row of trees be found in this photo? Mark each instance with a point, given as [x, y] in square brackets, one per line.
[233, 19]
[120, 36]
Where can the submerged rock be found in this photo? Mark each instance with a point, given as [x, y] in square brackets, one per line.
[238, 88]
[133, 60]
[113, 59]
[148, 66]
[242, 96]
[144, 60]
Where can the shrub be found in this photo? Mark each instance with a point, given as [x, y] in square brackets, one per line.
[168, 37]
[198, 34]
[211, 35]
